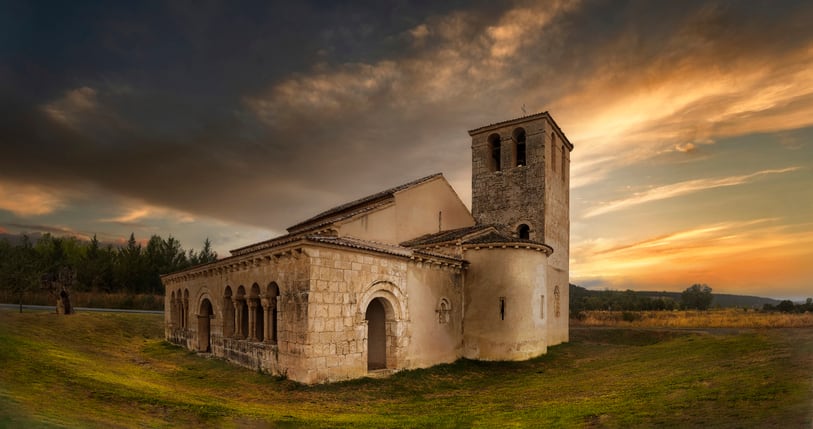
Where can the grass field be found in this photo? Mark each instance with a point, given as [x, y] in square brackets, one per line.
[719, 318]
[114, 370]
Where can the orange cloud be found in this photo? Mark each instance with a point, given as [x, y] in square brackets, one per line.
[130, 216]
[134, 212]
[29, 200]
[683, 100]
[678, 189]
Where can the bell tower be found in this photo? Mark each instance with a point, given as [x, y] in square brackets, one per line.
[520, 176]
[521, 181]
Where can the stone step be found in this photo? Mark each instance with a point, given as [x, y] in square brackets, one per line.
[381, 373]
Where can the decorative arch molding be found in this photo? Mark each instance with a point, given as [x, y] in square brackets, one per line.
[395, 335]
[202, 294]
[390, 293]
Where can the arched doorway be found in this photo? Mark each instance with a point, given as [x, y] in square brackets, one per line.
[204, 326]
[376, 316]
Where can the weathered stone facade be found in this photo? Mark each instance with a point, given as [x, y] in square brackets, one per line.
[405, 278]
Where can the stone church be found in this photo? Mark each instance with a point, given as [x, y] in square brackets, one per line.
[404, 278]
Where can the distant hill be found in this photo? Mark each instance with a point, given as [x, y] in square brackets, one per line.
[720, 299]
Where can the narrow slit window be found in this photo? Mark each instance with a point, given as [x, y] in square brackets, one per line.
[542, 307]
[556, 300]
[502, 308]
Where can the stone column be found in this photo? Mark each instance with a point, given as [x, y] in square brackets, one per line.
[184, 315]
[238, 319]
[273, 333]
[266, 320]
[226, 304]
[173, 313]
[252, 319]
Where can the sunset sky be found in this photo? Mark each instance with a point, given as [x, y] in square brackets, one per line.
[692, 122]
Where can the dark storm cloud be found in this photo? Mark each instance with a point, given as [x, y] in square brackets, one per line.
[147, 101]
[268, 112]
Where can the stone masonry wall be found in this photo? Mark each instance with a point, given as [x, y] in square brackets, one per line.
[342, 284]
[513, 195]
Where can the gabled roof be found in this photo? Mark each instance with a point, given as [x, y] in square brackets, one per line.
[472, 235]
[392, 249]
[267, 244]
[544, 114]
[358, 206]
[451, 235]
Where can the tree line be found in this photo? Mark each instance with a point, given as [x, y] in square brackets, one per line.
[788, 306]
[695, 297]
[56, 263]
[582, 299]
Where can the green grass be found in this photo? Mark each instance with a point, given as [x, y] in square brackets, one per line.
[113, 370]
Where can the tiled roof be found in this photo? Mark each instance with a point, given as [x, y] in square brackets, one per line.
[474, 236]
[392, 249]
[446, 236]
[503, 239]
[496, 237]
[331, 215]
[276, 241]
[361, 244]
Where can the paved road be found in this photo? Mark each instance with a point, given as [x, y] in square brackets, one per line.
[78, 309]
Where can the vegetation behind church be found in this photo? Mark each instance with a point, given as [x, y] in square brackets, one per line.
[125, 276]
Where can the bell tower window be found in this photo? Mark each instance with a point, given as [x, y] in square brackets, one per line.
[495, 150]
[519, 141]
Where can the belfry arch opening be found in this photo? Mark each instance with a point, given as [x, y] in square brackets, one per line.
[519, 147]
[377, 315]
[205, 314]
[495, 152]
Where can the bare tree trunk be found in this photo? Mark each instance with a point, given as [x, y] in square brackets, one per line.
[65, 297]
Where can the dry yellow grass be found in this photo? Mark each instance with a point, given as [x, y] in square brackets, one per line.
[723, 318]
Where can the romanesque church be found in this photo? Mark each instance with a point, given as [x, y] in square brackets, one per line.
[404, 278]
